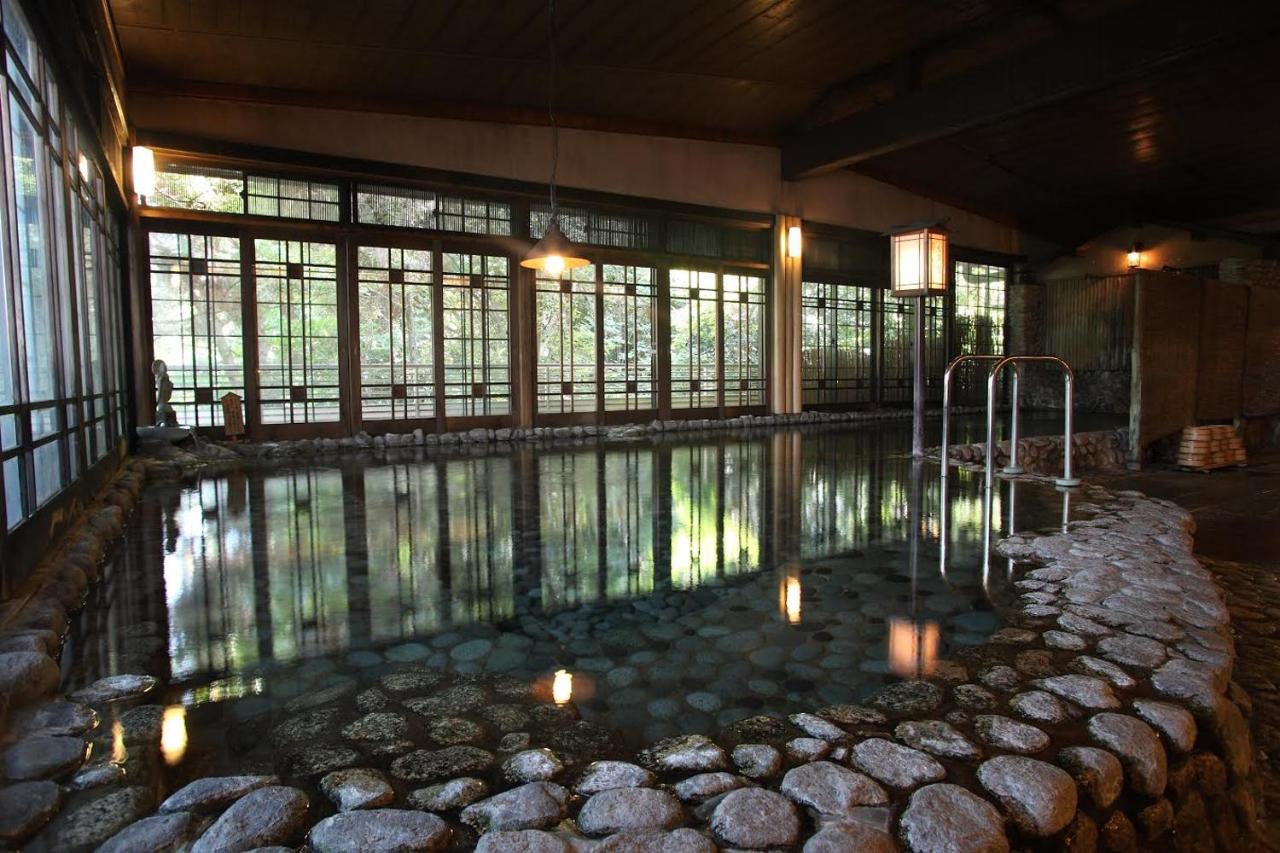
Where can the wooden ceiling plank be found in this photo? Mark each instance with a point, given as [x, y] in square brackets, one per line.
[1094, 57]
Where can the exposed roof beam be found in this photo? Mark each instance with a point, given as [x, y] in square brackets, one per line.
[1100, 54]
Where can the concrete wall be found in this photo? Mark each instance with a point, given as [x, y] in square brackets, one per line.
[741, 177]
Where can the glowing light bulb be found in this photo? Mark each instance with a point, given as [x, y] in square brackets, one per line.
[554, 264]
[562, 687]
[173, 734]
[1135, 258]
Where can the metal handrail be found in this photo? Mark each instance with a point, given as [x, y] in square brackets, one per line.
[946, 409]
[1068, 375]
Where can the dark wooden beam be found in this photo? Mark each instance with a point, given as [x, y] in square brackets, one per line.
[1123, 46]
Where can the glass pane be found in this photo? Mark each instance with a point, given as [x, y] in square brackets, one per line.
[476, 335]
[32, 256]
[565, 325]
[397, 338]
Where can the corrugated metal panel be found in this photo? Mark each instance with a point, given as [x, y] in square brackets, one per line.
[1089, 321]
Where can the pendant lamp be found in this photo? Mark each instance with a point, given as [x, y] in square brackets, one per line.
[554, 253]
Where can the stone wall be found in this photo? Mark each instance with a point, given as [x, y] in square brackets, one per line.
[1103, 450]
[1262, 272]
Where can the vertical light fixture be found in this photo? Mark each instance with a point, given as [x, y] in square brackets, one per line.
[144, 172]
[554, 253]
[918, 268]
[794, 238]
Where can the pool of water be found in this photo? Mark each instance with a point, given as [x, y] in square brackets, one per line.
[599, 596]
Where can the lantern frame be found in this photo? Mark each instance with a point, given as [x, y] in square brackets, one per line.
[919, 263]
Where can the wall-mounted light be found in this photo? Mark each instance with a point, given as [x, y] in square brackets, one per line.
[794, 238]
[144, 172]
[1135, 255]
[919, 261]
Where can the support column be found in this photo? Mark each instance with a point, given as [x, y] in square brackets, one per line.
[786, 318]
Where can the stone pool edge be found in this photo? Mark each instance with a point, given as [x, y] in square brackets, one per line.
[1118, 623]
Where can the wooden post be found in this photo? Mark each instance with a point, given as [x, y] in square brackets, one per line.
[786, 318]
[917, 393]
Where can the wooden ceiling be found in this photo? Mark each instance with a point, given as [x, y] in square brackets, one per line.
[1182, 141]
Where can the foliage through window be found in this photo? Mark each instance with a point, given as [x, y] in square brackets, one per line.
[836, 349]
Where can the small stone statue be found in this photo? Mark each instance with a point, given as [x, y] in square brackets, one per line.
[165, 414]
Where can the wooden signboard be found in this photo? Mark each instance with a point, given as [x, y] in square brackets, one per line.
[233, 415]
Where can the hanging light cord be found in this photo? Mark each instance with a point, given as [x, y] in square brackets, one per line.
[551, 113]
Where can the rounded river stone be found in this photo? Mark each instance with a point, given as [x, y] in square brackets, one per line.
[755, 818]
[830, 789]
[1040, 798]
[25, 807]
[454, 794]
[629, 810]
[536, 805]
[1097, 771]
[1139, 750]
[603, 775]
[379, 829]
[895, 765]
[943, 818]
[262, 818]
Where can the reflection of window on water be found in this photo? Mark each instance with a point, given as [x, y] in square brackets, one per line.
[835, 496]
[479, 529]
[596, 517]
[402, 523]
[209, 582]
[306, 562]
[716, 512]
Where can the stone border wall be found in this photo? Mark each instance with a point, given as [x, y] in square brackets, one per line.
[1102, 450]
[504, 438]
[1104, 717]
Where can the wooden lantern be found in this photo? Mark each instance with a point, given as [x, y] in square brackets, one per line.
[919, 259]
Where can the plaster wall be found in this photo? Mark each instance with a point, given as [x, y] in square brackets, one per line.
[729, 175]
[1163, 247]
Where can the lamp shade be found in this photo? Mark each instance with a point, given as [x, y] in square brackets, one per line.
[919, 259]
[144, 171]
[554, 253]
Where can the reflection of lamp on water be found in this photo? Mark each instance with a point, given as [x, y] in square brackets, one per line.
[913, 647]
[173, 734]
[790, 594]
[562, 687]
[118, 753]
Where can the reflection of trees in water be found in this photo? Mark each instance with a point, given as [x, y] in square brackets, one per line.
[312, 561]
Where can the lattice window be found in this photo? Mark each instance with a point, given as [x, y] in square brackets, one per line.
[474, 216]
[743, 305]
[695, 339]
[477, 345]
[980, 307]
[297, 299]
[979, 325]
[293, 199]
[397, 357]
[592, 227]
[898, 343]
[197, 324]
[836, 345]
[400, 207]
[629, 345]
[192, 187]
[565, 310]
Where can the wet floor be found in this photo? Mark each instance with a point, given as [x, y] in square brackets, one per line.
[653, 588]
